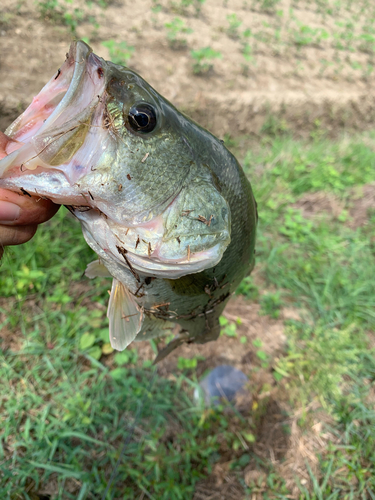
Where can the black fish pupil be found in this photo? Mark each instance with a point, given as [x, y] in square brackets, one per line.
[142, 117]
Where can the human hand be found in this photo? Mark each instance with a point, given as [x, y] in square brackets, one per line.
[20, 216]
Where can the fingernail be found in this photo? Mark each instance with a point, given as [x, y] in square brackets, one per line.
[9, 212]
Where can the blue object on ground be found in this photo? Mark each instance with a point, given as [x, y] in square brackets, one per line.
[223, 382]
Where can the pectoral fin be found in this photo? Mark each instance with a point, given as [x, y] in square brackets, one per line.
[125, 317]
[96, 270]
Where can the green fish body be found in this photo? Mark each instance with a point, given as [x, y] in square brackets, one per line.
[163, 203]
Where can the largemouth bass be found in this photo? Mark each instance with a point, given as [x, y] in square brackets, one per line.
[163, 203]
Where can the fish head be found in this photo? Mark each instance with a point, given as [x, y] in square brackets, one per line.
[99, 139]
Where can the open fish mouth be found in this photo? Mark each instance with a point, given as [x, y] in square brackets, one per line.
[55, 125]
[132, 193]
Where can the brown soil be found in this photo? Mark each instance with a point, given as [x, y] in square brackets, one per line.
[306, 85]
[360, 204]
[319, 203]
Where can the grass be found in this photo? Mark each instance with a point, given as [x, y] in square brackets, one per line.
[119, 52]
[175, 31]
[67, 401]
[324, 267]
[71, 420]
[203, 60]
[57, 12]
[182, 6]
[325, 264]
[66, 413]
[234, 23]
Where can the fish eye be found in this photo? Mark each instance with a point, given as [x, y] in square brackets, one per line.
[142, 117]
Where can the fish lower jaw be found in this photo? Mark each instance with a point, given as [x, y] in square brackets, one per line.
[176, 268]
[125, 265]
[49, 185]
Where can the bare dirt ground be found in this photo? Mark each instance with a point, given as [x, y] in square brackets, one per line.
[300, 64]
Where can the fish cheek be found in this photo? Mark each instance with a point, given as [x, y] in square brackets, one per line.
[145, 175]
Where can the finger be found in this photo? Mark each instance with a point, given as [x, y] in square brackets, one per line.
[16, 235]
[23, 210]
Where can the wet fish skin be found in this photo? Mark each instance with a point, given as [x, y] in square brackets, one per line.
[169, 212]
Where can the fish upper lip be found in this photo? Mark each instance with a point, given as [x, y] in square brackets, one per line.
[85, 71]
[81, 55]
[78, 86]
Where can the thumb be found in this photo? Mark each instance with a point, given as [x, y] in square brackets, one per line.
[22, 209]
